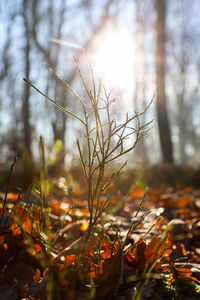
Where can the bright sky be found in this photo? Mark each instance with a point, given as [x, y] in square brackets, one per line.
[112, 56]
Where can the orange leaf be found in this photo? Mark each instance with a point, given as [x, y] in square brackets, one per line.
[188, 189]
[52, 236]
[55, 206]
[184, 201]
[165, 257]
[20, 211]
[93, 273]
[137, 253]
[5, 246]
[152, 251]
[13, 197]
[84, 226]
[184, 251]
[36, 277]
[179, 186]
[15, 229]
[108, 248]
[27, 225]
[45, 272]
[69, 259]
[78, 192]
[155, 250]
[154, 196]
[194, 278]
[137, 193]
[184, 272]
[90, 250]
[37, 248]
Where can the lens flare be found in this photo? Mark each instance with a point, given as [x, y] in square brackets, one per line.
[113, 57]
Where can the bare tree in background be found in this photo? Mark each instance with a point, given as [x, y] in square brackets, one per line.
[51, 52]
[184, 57]
[161, 104]
[27, 51]
[142, 24]
[27, 132]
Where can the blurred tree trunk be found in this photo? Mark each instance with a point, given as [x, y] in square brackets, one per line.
[26, 93]
[161, 103]
[185, 88]
[140, 152]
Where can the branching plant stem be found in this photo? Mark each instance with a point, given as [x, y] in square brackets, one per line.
[105, 139]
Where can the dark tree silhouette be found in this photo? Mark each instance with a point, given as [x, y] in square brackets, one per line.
[27, 137]
[161, 104]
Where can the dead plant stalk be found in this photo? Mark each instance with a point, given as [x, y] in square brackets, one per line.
[105, 139]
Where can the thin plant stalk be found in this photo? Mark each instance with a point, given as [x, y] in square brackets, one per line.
[105, 139]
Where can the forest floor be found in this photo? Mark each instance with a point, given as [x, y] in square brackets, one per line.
[146, 246]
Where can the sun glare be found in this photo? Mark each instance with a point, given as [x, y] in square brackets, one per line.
[113, 58]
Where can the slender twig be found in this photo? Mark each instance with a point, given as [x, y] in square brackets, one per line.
[55, 103]
[6, 191]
